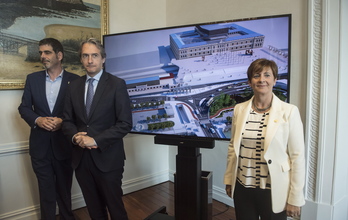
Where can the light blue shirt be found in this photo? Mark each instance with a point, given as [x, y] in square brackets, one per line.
[95, 82]
[52, 89]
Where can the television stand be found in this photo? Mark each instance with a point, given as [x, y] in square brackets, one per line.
[187, 179]
[160, 214]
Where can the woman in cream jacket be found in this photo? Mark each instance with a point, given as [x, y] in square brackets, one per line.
[271, 187]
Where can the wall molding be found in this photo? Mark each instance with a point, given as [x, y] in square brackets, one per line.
[14, 148]
[313, 94]
[326, 196]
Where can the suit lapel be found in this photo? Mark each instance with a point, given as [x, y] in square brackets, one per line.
[42, 91]
[80, 96]
[275, 117]
[63, 85]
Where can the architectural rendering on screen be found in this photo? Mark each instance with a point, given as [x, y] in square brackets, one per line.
[187, 80]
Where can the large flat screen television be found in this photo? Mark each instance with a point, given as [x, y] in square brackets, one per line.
[184, 81]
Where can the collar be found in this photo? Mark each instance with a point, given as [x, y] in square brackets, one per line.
[59, 76]
[96, 77]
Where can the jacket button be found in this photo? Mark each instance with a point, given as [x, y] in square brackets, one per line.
[269, 161]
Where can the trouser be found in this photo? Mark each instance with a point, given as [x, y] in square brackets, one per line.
[102, 191]
[54, 181]
[254, 203]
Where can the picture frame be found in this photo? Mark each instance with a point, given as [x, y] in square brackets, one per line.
[19, 53]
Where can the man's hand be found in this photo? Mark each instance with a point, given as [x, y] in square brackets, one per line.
[57, 123]
[49, 123]
[85, 141]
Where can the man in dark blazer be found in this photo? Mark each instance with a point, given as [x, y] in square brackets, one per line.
[50, 151]
[98, 155]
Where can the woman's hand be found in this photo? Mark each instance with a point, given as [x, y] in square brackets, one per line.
[228, 190]
[293, 211]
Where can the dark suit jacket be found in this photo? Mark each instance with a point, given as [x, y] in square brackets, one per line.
[34, 104]
[109, 121]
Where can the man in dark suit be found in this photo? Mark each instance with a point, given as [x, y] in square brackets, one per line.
[50, 151]
[98, 155]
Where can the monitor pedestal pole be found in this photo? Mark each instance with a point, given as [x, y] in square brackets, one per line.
[187, 185]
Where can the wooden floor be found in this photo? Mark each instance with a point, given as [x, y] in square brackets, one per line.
[142, 203]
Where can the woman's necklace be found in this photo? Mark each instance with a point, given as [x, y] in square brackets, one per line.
[261, 109]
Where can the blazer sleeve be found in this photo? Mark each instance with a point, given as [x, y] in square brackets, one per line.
[296, 153]
[69, 119]
[231, 154]
[26, 107]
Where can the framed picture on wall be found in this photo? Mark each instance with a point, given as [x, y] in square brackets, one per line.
[24, 23]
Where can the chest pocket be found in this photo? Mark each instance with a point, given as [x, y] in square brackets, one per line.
[285, 166]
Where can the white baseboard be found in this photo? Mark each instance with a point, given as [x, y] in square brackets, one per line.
[220, 195]
[77, 201]
[315, 211]
[29, 213]
[33, 213]
[321, 211]
[144, 182]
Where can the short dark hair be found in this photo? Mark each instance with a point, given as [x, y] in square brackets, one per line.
[97, 43]
[258, 65]
[54, 43]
